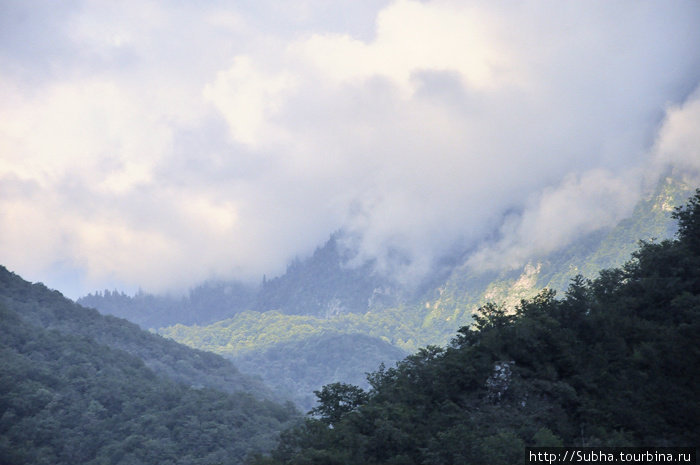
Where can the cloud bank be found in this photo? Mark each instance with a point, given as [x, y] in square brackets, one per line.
[156, 145]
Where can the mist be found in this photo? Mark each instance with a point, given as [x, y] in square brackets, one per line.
[155, 146]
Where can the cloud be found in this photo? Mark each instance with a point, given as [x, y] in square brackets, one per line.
[84, 128]
[135, 154]
[559, 215]
[678, 142]
[590, 201]
[247, 98]
[412, 36]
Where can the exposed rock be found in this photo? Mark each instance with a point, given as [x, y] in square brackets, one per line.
[499, 382]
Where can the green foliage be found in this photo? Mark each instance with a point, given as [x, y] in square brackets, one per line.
[297, 368]
[48, 309]
[76, 387]
[612, 363]
[492, 316]
[688, 217]
[337, 400]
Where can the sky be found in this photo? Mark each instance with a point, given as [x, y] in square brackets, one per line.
[156, 144]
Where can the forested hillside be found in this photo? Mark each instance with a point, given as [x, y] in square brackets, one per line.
[297, 354]
[298, 368]
[615, 362]
[48, 309]
[78, 387]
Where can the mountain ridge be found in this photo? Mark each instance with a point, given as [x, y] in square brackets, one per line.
[48, 309]
[328, 283]
[80, 387]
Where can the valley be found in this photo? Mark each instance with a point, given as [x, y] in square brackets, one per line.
[275, 334]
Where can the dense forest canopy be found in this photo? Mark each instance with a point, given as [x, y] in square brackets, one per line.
[612, 363]
[77, 387]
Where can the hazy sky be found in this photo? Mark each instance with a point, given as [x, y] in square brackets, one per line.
[160, 143]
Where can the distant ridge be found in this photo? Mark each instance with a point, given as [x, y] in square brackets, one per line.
[269, 342]
[612, 363]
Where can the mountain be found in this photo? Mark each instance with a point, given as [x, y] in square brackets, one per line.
[431, 315]
[327, 284]
[324, 284]
[467, 288]
[79, 387]
[342, 298]
[613, 363]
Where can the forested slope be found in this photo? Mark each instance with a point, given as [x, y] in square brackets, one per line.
[298, 354]
[615, 362]
[78, 387]
[298, 368]
[67, 399]
[47, 309]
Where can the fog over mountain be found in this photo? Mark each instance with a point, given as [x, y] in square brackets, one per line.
[156, 144]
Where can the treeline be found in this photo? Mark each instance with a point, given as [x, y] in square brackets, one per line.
[206, 303]
[323, 285]
[615, 362]
[326, 284]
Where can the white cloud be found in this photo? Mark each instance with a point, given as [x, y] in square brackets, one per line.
[559, 215]
[157, 145]
[678, 142]
[412, 37]
[587, 202]
[81, 129]
[248, 98]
